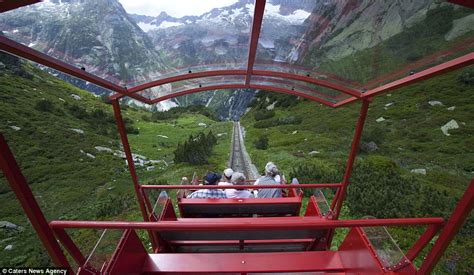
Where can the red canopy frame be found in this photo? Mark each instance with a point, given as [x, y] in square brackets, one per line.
[45, 231]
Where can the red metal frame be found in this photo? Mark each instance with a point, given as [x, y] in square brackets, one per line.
[22, 191]
[7, 5]
[338, 200]
[254, 36]
[284, 223]
[131, 165]
[266, 186]
[20, 187]
[457, 219]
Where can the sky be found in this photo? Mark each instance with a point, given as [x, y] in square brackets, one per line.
[175, 8]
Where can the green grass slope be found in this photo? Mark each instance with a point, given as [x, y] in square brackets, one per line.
[37, 113]
[409, 138]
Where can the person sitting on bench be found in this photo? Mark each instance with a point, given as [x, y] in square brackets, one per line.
[238, 179]
[269, 179]
[210, 179]
[226, 176]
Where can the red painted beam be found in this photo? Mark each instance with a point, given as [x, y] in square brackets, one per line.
[20, 187]
[296, 93]
[466, 3]
[319, 82]
[270, 186]
[7, 5]
[131, 165]
[457, 219]
[241, 86]
[281, 223]
[448, 66]
[254, 36]
[423, 241]
[243, 263]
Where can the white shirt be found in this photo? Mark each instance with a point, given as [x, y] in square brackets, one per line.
[238, 194]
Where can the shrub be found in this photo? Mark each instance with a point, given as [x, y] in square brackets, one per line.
[467, 78]
[263, 114]
[277, 121]
[77, 111]
[195, 150]
[44, 105]
[261, 143]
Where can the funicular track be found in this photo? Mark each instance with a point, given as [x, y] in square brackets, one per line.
[238, 161]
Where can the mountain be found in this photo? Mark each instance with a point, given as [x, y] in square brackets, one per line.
[96, 35]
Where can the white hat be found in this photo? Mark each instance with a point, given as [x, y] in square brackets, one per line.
[228, 172]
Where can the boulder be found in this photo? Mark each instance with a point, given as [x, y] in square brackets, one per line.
[369, 147]
[16, 128]
[10, 226]
[103, 149]
[312, 153]
[90, 155]
[451, 108]
[8, 247]
[435, 103]
[78, 131]
[380, 119]
[294, 132]
[76, 97]
[452, 124]
[421, 171]
[271, 106]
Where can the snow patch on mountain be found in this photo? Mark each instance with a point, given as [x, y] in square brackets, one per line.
[146, 27]
[168, 24]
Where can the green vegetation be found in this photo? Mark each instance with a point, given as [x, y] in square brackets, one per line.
[261, 143]
[196, 150]
[382, 185]
[70, 178]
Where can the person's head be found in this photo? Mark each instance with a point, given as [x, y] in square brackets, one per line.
[271, 169]
[211, 178]
[238, 178]
[228, 174]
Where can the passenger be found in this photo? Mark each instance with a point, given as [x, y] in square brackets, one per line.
[210, 179]
[227, 176]
[269, 179]
[238, 179]
[183, 193]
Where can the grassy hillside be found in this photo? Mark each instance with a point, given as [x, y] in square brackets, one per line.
[37, 115]
[409, 138]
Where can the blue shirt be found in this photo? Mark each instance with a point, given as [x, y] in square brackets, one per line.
[207, 194]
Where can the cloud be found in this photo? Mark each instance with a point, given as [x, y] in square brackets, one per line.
[175, 8]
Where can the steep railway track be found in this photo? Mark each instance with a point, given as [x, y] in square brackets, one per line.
[238, 161]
